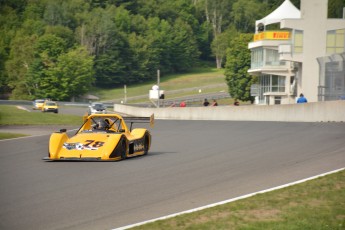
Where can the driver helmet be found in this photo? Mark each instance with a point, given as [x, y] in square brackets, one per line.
[101, 125]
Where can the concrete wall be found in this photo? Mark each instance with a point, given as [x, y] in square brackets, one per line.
[330, 111]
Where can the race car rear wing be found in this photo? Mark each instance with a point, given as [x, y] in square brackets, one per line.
[132, 120]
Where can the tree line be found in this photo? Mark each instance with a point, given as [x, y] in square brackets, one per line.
[59, 49]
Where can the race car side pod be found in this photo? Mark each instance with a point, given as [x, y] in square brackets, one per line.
[132, 120]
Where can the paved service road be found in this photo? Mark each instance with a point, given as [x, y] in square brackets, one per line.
[192, 163]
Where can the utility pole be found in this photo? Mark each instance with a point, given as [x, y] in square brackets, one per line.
[125, 89]
[158, 81]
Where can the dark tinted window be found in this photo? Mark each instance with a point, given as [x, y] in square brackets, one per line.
[98, 106]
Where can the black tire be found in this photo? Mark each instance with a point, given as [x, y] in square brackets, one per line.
[146, 144]
[124, 149]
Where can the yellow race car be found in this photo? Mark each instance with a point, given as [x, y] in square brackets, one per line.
[50, 106]
[102, 137]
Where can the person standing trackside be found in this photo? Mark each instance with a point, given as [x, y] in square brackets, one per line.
[214, 103]
[206, 103]
[302, 99]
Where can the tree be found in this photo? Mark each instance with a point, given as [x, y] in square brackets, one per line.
[94, 30]
[111, 66]
[244, 14]
[72, 76]
[49, 47]
[9, 21]
[53, 13]
[47, 50]
[128, 40]
[218, 46]
[237, 65]
[159, 36]
[335, 8]
[62, 32]
[18, 64]
[3, 75]
[184, 50]
[139, 47]
[204, 38]
[217, 13]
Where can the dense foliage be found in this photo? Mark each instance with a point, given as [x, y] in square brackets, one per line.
[59, 48]
[237, 65]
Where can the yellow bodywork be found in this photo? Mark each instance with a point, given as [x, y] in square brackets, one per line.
[50, 106]
[116, 143]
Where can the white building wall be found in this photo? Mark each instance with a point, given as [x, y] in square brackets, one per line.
[313, 23]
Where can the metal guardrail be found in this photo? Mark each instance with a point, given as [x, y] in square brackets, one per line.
[167, 92]
[330, 94]
[15, 102]
[65, 103]
[190, 99]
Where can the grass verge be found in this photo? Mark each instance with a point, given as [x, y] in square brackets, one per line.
[316, 204]
[11, 115]
[11, 135]
[206, 77]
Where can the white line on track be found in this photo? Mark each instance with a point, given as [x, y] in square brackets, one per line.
[228, 201]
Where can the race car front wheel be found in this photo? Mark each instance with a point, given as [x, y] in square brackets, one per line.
[146, 144]
[120, 150]
[124, 149]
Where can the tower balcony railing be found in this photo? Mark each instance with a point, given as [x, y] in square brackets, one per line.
[280, 39]
[272, 35]
[270, 38]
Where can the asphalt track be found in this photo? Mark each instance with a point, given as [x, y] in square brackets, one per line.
[191, 164]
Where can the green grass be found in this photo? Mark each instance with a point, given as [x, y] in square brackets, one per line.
[203, 78]
[11, 135]
[11, 115]
[316, 204]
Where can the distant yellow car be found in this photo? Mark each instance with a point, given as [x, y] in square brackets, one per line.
[102, 137]
[50, 106]
[37, 104]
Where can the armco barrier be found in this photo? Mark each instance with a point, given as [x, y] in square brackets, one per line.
[330, 111]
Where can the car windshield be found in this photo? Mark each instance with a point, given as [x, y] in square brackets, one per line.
[98, 106]
[112, 123]
[50, 103]
[39, 101]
